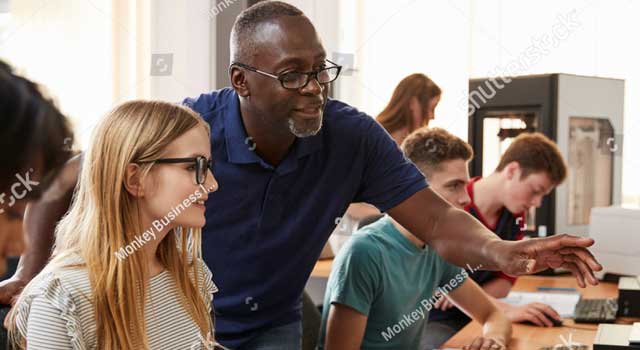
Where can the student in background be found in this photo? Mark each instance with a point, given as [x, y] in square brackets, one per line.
[385, 272]
[530, 169]
[126, 272]
[412, 106]
[35, 142]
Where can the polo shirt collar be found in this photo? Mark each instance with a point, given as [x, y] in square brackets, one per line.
[238, 142]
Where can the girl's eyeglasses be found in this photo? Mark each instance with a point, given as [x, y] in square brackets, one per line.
[201, 164]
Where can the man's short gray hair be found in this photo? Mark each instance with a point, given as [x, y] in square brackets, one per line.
[242, 41]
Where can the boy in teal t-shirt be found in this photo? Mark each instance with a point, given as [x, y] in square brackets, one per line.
[385, 281]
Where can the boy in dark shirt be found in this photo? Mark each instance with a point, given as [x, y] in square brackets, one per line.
[530, 168]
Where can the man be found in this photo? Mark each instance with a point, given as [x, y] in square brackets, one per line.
[382, 282]
[289, 162]
[530, 168]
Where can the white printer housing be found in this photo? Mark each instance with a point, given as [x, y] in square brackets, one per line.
[616, 231]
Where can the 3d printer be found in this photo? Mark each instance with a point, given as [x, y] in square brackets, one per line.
[583, 115]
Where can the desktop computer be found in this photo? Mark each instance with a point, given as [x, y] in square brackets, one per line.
[629, 297]
[616, 231]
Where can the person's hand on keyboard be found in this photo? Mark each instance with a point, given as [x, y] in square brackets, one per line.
[539, 314]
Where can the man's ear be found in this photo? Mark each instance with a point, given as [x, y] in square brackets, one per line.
[512, 170]
[239, 81]
[132, 180]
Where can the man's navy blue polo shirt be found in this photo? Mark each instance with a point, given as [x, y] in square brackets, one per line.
[267, 225]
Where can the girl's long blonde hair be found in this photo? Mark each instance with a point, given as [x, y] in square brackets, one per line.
[105, 217]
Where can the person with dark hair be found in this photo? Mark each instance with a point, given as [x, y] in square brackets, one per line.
[290, 161]
[431, 148]
[530, 168]
[35, 141]
[412, 106]
[385, 272]
[35, 144]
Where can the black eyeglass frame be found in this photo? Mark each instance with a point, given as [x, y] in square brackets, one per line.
[201, 163]
[280, 77]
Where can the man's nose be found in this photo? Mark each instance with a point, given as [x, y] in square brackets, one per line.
[313, 87]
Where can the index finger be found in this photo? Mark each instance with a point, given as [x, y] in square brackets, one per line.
[556, 242]
[584, 255]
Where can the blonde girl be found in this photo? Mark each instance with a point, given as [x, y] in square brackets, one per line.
[126, 272]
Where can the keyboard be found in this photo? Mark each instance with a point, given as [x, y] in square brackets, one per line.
[596, 310]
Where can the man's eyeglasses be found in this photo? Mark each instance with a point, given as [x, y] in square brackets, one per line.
[200, 163]
[298, 80]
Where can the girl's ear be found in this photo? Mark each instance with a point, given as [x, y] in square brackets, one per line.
[132, 181]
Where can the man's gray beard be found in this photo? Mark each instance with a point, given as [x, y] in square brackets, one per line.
[303, 132]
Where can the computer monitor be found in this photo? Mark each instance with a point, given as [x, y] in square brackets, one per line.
[616, 231]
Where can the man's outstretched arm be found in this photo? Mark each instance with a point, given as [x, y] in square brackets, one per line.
[39, 225]
[461, 239]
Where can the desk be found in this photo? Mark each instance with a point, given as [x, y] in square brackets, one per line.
[322, 268]
[532, 337]
[526, 336]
